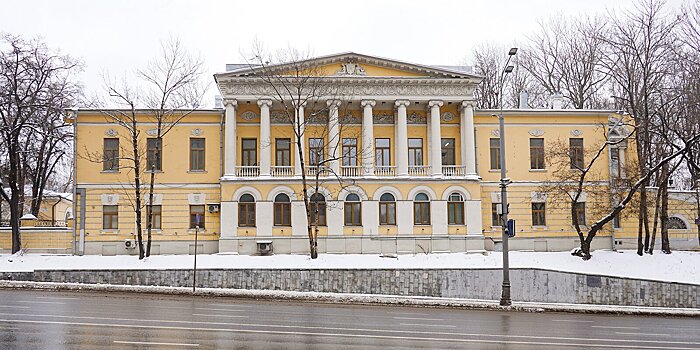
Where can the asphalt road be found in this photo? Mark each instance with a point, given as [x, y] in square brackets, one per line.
[82, 320]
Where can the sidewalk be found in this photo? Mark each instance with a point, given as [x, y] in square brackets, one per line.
[344, 298]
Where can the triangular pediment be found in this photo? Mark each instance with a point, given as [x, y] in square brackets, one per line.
[355, 65]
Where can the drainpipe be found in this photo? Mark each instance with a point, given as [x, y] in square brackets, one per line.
[53, 211]
[81, 242]
[75, 180]
[221, 143]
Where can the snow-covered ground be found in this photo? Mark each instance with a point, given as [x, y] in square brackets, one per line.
[677, 267]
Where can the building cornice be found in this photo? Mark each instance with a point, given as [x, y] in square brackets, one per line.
[405, 88]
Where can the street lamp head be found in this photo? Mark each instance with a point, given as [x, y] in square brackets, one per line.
[513, 51]
[509, 69]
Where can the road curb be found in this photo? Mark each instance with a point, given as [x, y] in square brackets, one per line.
[346, 298]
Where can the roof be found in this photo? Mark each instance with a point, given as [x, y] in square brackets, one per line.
[463, 72]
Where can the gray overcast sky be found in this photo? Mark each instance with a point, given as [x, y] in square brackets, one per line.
[118, 36]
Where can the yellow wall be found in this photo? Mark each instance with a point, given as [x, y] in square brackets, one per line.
[175, 182]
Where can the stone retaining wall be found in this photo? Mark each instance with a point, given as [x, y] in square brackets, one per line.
[527, 284]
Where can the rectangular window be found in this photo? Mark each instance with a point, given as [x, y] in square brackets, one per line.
[536, 153]
[382, 148]
[349, 152]
[580, 212]
[246, 214]
[154, 212]
[538, 214]
[616, 221]
[455, 213]
[387, 213]
[249, 152]
[353, 213]
[495, 145]
[283, 152]
[576, 153]
[197, 154]
[110, 154]
[421, 213]
[495, 217]
[283, 213]
[316, 151]
[196, 216]
[415, 152]
[448, 152]
[615, 161]
[155, 154]
[110, 217]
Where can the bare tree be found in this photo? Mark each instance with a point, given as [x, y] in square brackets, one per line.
[308, 99]
[639, 45]
[585, 179]
[171, 89]
[565, 56]
[36, 83]
[488, 61]
[174, 90]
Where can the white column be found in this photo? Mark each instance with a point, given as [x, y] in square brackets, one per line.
[466, 132]
[265, 143]
[299, 118]
[368, 137]
[402, 138]
[436, 144]
[333, 135]
[230, 137]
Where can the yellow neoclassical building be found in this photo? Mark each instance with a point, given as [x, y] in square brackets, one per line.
[414, 168]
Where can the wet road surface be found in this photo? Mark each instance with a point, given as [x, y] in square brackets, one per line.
[89, 320]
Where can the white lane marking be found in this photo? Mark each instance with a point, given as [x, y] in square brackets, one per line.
[153, 343]
[428, 325]
[346, 335]
[582, 321]
[614, 327]
[649, 334]
[212, 309]
[231, 316]
[344, 329]
[417, 318]
[407, 313]
[41, 302]
[15, 307]
[58, 298]
[231, 305]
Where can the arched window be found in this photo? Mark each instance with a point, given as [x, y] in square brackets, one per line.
[353, 210]
[455, 209]
[246, 211]
[283, 210]
[318, 207]
[421, 209]
[676, 223]
[387, 209]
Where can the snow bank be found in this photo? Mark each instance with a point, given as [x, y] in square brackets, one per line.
[683, 267]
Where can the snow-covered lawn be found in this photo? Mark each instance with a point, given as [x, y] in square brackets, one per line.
[677, 267]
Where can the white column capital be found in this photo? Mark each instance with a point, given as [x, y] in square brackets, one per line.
[402, 103]
[265, 102]
[365, 103]
[230, 102]
[467, 104]
[333, 104]
[435, 103]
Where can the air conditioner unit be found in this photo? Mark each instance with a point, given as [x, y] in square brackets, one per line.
[213, 208]
[130, 244]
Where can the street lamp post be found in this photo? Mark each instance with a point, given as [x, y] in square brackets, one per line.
[505, 293]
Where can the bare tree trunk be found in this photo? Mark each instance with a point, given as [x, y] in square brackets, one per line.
[665, 244]
[697, 205]
[657, 204]
[137, 184]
